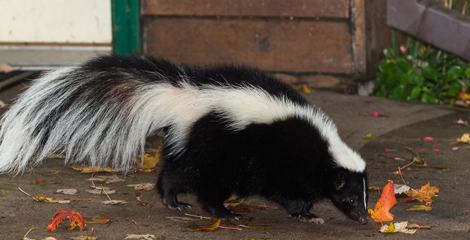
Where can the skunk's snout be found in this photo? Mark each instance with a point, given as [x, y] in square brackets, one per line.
[362, 220]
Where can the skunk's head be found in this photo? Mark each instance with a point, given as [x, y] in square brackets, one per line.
[348, 191]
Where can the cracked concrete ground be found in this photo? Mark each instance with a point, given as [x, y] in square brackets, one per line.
[405, 125]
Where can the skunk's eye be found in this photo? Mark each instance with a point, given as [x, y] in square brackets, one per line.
[352, 201]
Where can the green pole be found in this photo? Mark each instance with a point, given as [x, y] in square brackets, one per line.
[126, 27]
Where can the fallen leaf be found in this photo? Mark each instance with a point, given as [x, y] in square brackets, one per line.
[464, 96]
[420, 208]
[389, 150]
[207, 228]
[83, 238]
[140, 236]
[73, 216]
[143, 186]
[103, 220]
[40, 182]
[436, 150]
[461, 122]
[400, 188]
[381, 212]
[424, 194]
[367, 137]
[428, 139]
[399, 227]
[49, 238]
[464, 139]
[107, 179]
[88, 169]
[139, 197]
[114, 202]
[69, 191]
[149, 162]
[377, 114]
[304, 88]
[416, 226]
[100, 191]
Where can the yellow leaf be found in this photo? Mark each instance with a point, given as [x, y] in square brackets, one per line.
[424, 194]
[390, 229]
[149, 162]
[207, 228]
[367, 137]
[305, 89]
[465, 138]
[420, 208]
[400, 227]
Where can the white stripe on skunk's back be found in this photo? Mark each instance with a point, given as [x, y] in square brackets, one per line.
[109, 133]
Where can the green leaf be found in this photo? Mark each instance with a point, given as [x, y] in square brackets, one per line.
[430, 73]
[381, 93]
[467, 72]
[454, 89]
[428, 98]
[412, 78]
[454, 73]
[415, 93]
[386, 66]
[403, 65]
[401, 92]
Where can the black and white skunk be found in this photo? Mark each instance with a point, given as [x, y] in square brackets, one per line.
[229, 130]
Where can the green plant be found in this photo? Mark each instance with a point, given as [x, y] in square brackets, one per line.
[417, 72]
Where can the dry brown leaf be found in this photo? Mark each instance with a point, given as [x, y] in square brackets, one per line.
[416, 226]
[420, 208]
[83, 238]
[400, 188]
[103, 220]
[424, 194]
[114, 202]
[140, 236]
[107, 179]
[143, 186]
[100, 191]
[69, 191]
[88, 169]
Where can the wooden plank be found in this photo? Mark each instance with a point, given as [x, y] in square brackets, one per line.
[359, 38]
[240, 8]
[273, 45]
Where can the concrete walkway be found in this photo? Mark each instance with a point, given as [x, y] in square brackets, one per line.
[405, 124]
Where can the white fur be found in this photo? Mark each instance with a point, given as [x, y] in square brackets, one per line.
[365, 194]
[116, 134]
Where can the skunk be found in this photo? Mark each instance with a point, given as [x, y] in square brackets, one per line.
[228, 130]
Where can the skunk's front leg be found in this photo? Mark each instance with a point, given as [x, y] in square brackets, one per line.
[300, 210]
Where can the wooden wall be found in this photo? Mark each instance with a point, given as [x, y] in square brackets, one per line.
[318, 42]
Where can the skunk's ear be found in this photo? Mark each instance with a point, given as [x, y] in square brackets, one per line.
[340, 181]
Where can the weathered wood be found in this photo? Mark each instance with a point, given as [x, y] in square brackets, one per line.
[273, 45]
[359, 37]
[263, 8]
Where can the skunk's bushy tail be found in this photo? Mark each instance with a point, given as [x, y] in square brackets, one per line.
[101, 111]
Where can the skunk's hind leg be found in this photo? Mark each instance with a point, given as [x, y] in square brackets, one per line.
[168, 186]
[214, 203]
